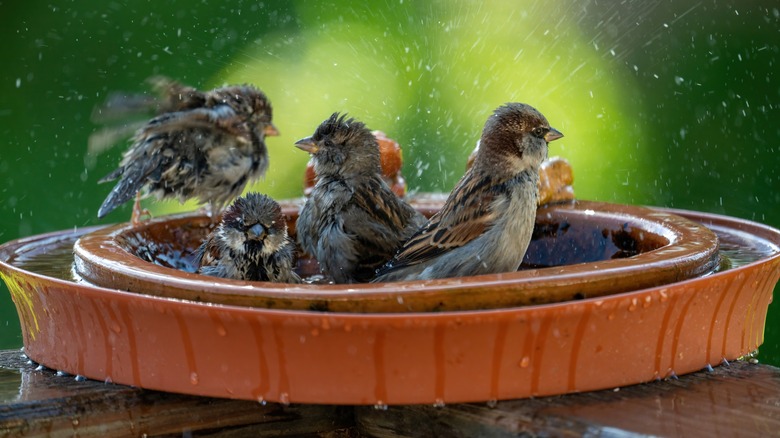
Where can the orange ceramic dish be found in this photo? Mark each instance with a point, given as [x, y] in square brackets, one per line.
[395, 358]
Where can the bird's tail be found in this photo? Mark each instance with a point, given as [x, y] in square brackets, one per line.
[123, 191]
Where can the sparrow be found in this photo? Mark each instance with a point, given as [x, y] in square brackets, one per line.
[485, 224]
[250, 243]
[352, 222]
[201, 145]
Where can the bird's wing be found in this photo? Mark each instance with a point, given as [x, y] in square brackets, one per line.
[208, 254]
[157, 149]
[380, 222]
[465, 216]
[221, 117]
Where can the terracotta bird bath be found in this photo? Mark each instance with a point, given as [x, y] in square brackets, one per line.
[608, 295]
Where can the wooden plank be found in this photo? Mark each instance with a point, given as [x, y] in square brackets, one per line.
[742, 399]
[45, 404]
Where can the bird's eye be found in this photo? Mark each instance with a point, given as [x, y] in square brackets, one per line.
[539, 132]
[328, 143]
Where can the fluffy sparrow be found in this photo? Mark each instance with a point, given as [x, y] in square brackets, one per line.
[202, 145]
[250, 243]
[352, 223]
[486, 222]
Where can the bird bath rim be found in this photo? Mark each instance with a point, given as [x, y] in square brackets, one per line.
[682, 249]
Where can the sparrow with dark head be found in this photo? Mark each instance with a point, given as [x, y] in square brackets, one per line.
[201, 145]
[352, 222]
[250, 243]
[486, 222]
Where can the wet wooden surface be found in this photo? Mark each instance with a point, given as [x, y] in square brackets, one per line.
[741, 399]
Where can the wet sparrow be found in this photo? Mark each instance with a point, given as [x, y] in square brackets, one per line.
[486, 222]
[352, 223]
[202, 145]
[250, 243]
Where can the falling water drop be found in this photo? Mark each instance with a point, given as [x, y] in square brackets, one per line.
[633, 305]
[194, 378]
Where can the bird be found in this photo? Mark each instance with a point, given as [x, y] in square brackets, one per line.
[201, 145]
[486, 222]
[250, 243]
[352, 222]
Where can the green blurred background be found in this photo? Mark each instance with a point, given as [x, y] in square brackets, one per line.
[667, 103]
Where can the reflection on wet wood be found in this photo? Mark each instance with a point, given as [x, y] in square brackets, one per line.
[45, 404]
[739, 399]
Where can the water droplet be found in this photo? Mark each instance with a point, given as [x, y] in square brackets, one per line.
[380, 405]
[221, 330]
[75, 422]
[261, 400]
[194, 378]
[284, 398]
[632, 306]
[438, 403]
[753, 360]
[663, 295]
[108, 380]
[115, 327]
[525, 361]
[611, 316]
[648, 301]
[62, 374]
[325, 324]
[315, 332]
[709, 368]
[492, 403]
[80, 378]
[40, 368]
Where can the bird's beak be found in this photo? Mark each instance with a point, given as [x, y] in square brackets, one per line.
[552, 134]
[307, 144]
[256, 232]
[270, 130]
